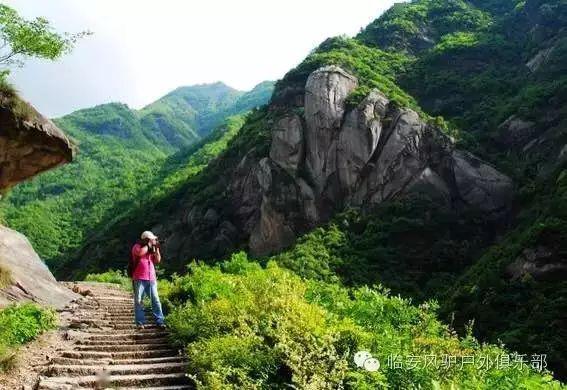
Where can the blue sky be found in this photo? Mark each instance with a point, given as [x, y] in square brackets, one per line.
[142, 49]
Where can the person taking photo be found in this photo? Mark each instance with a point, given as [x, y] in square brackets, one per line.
[146, 253]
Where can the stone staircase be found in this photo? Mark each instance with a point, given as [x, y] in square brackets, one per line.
[109, 352]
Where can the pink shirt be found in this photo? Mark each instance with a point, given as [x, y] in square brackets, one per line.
[145, 269]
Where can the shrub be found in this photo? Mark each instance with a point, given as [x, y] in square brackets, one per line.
[111, 276]
[244, 326]
[20, 324]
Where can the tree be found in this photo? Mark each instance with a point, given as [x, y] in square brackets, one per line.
[21, 39]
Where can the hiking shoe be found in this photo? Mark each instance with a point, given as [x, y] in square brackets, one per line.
[140, 326]
[162, 326]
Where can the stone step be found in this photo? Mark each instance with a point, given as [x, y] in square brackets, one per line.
[117, 369]
[111, 352]
[135, 335]
[132, 326]
[110, 361]
[130, 319]
[115, 299]
[94, 381]
[154, 353]
[127, 317]
[116, 307]
[122, 347]
[161, 340]
[128, 329]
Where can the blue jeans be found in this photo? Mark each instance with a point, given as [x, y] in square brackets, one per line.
[149, 288]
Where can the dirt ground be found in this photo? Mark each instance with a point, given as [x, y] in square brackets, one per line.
[31, 360]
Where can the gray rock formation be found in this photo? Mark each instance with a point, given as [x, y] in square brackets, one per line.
[515, 131]
[335, 157]
[325, 156]
[287, 143]
[29, 146]
[359, 138]
[480, 185]
[325, 95]
[541, 263]
[30, 278]
[540, 59]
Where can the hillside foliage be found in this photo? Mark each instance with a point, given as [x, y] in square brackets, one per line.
[244, 326]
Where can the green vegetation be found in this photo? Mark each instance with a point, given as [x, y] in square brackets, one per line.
[534, 304]
[465, 61]
[20, 324]
[9, 99]
[179, 173]
[414, 26]
[125, 158]
[244, 326]
[373, 67]
[111, 276]
[370, 249]
[23, 39]
[462, 65]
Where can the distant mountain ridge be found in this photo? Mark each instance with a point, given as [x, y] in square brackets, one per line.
[176, 120]
[120, 151]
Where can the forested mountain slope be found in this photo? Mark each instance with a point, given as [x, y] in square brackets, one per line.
[120, 151]
[488, 75]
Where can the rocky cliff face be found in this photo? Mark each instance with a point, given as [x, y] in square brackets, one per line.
[325, 157]
[27, 147]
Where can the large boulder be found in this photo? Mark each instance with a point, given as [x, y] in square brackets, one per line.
[29, 144]
[481, 185]
[29, 277]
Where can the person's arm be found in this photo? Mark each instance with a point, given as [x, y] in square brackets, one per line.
[140, 250]
[157, 256]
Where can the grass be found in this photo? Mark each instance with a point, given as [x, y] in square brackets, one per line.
[10, 99]
[111, 276]
[5, 277]
[20, 324]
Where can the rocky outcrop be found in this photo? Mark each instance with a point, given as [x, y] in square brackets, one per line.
[29, 145]
[541, 263]
[515, 131]
[358, 139]
[334, 157]
[540, 59]
[325, 95]
[30, 278]
[287, 143]
[325, 156]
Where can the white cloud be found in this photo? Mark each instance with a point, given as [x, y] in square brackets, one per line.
[142, 49]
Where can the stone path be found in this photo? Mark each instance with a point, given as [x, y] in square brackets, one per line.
[108, 352]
